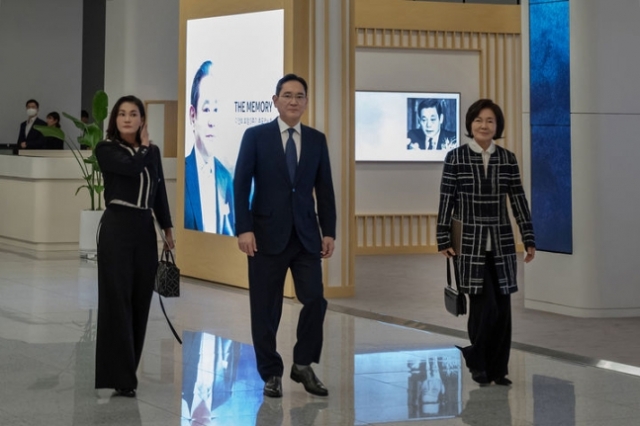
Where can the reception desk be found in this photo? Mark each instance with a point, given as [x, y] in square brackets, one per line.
[39, 212]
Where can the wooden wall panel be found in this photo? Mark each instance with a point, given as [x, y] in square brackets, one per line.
[491, 30]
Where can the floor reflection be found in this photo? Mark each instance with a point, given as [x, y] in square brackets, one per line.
[219, 380]
[554, 401]
[487, 407]
[408, 385]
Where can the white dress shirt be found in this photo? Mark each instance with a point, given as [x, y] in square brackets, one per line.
[27, 128]
[284, 127]
[486, 154]
[207, 185]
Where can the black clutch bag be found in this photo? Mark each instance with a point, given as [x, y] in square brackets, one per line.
[167, 276]
[454, 301]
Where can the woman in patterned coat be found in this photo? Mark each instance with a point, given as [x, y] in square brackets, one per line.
[476, 180]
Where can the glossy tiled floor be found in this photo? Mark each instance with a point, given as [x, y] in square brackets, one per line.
[376, 372]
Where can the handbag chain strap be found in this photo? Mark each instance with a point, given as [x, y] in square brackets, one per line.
[449, 275]
[168, 255]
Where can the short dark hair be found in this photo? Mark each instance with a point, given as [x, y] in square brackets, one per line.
[203, 71]
[56, 117]
[474, 111]
[430, 103]
[84, 114]
[291, 77]
[112, 129]
[32, 101]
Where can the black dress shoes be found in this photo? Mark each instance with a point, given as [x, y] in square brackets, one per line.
[307, 377]
[128, 392]
[273, 387]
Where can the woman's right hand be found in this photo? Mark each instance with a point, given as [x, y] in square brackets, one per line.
[144, 135]
[448, 252]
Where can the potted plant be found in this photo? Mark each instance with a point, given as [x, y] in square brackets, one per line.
[91, 134]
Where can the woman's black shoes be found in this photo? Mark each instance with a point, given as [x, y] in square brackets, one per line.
[503, 381]
[480, 377]
[127, 392]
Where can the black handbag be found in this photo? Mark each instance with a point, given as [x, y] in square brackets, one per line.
[167, 276]
[167, 279]
[454, 301]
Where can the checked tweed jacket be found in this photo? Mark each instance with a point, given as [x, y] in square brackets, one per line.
[479, 201]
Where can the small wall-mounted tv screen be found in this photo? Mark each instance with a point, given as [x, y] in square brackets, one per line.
[406, 126]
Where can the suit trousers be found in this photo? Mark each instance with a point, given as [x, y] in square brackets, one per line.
[267, 274]
[489, 326]
[127, 264]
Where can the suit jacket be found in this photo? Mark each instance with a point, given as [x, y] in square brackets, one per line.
[419, 137]
[35, 139]
[225, 223]
[280, 206]
[478, 199]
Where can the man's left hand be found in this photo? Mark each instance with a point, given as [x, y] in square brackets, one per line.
[328, 245]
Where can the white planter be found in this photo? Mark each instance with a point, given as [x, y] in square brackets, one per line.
[89, 221]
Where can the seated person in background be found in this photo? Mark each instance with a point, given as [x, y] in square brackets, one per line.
[430, 135]
[30, 138]
[53, 120]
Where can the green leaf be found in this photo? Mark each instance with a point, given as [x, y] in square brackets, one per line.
[92, 135]
[50, 131]
[83, 186]
[100, 106]
[79, 124]
[98, 188]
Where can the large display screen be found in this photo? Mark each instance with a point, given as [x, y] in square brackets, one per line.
[404, 126]
[232, 66]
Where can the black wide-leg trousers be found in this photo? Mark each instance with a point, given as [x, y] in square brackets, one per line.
[127, 263]
[266, 289]
[489, 326]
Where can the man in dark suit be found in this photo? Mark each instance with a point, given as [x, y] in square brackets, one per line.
[30, 138]
[281, 230]
[208, 184]
[430, 135]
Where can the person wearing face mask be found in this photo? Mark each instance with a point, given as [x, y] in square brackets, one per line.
[208, 186]
[29, 137]
[134, 191]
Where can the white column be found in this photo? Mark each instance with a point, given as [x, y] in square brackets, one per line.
[332, 61]
[600, 279]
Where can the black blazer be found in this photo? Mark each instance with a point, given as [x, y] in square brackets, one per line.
[279, 205]
[134, 176]
[35, 139]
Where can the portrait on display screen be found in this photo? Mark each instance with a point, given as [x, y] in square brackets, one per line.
[406, 126]
[225, 93]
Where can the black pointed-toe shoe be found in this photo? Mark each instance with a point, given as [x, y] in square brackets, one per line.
[307, 377]
[480, 377]
[273, 387]
[128, 392]
[503, 381]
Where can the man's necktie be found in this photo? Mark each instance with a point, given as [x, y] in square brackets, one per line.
[292, 155]
[430, 146]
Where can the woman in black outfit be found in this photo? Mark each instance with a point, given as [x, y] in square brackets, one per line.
[476, 180]
[53, 120]
[127, 249]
